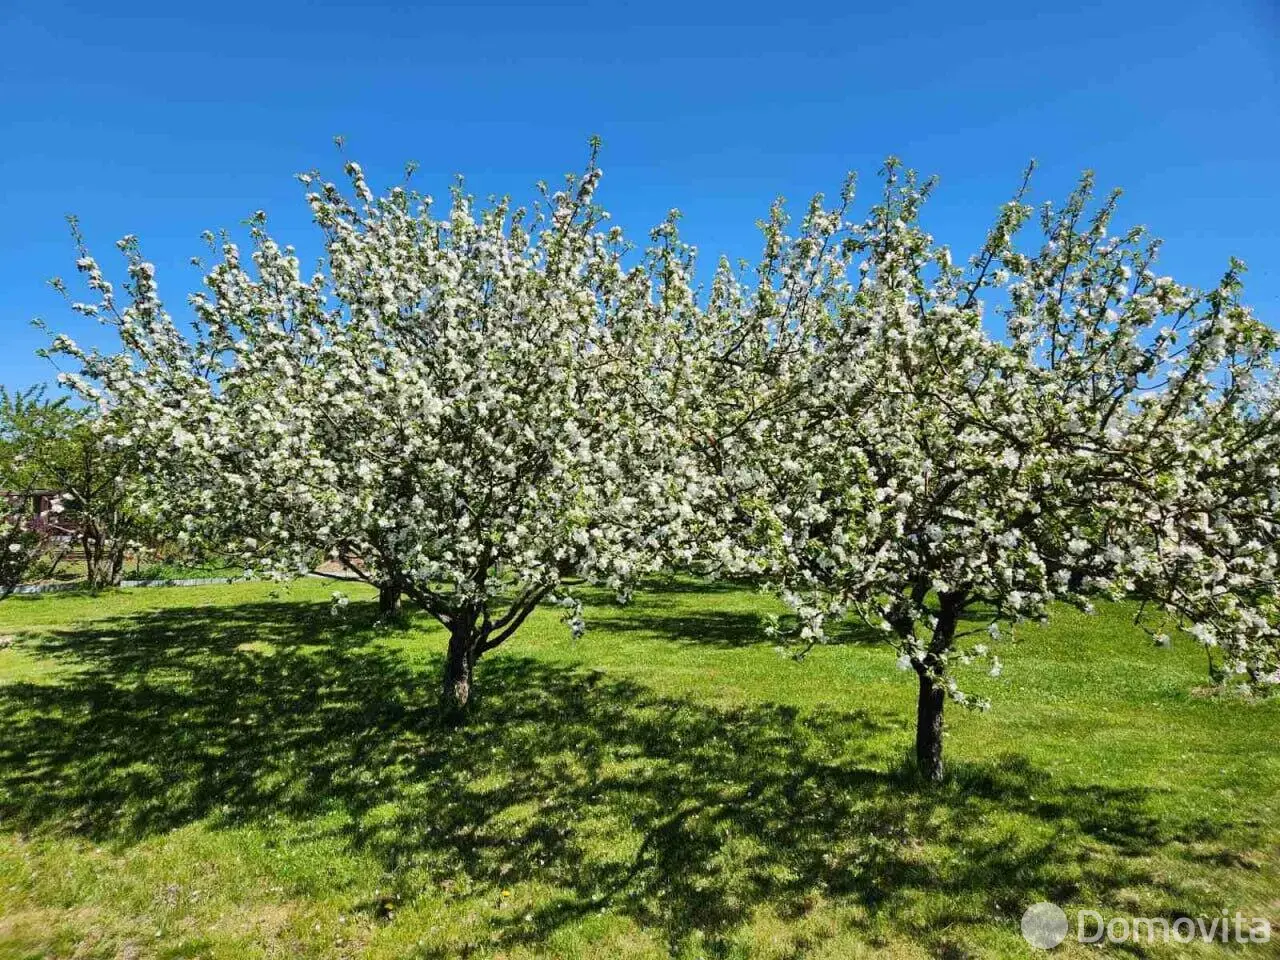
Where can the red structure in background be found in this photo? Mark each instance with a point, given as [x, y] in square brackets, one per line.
[37, 506]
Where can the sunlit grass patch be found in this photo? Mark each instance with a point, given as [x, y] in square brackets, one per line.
[234, 772]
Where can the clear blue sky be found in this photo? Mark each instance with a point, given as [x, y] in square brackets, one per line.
[164, 119]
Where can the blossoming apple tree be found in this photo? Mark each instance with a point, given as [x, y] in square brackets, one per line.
[883, 453]
[474, 409]
[1163, 403]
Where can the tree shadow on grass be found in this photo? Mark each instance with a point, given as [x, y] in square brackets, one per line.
[684, 817]
[684, 584]
[726, 629]
[663, 611]
[723, 629]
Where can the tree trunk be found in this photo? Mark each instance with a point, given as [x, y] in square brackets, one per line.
[388, 599]
[115, 572]
[94, 569]
[103, 568]
[459, 664]
[929, 727]
[932, 692]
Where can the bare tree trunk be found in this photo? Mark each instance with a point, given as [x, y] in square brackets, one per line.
[103, 562]
[932, 696]
[92, 542]
[389, 598]
[460, 663]
[115, 570]
[929, 727]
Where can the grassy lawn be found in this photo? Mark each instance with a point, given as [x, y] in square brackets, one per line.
[232, 772]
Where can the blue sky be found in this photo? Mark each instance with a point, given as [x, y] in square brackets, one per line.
[167, 119]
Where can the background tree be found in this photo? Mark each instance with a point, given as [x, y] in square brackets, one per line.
[21, 543]
[56, 447]
[23, 531]
[473, 410]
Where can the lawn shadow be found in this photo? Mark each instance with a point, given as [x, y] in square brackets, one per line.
[726, 629]
[683, 584]
[682, 816]
[661, 611]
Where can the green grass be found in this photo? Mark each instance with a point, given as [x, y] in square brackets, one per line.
[72, 568]
[178, 571]
[232, 772]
